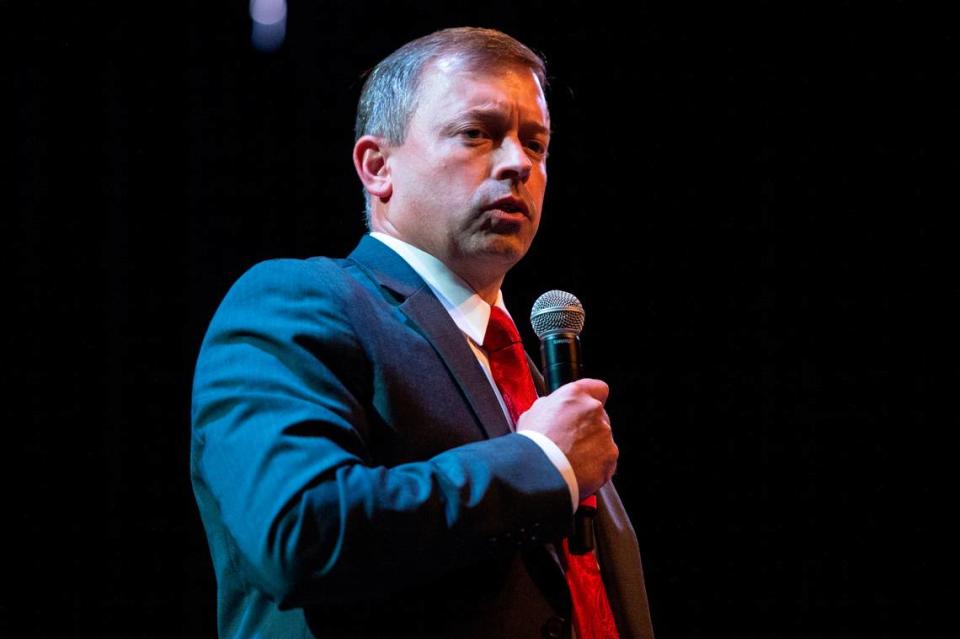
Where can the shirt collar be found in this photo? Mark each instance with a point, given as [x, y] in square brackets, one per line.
[467, 309]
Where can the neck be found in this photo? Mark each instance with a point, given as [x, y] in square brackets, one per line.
[486, 288]
[484, 278]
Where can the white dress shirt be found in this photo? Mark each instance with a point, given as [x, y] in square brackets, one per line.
[471, 314]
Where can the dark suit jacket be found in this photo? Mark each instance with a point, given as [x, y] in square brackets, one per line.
[356, 476]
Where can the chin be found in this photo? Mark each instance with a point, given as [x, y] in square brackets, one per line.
[502, 250]
[507, 252]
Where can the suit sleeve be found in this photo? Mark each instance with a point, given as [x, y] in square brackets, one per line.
[279, 424]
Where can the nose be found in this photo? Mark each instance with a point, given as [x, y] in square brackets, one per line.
[512, 161]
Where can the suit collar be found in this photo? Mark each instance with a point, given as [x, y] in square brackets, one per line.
[425, 312]
[465, 306]
[386, 267]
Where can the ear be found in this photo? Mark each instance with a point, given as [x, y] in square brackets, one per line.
[370, 161]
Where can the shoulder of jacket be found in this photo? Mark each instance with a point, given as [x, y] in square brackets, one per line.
[293, 272]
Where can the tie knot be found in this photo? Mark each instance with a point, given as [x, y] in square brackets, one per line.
[501, 331]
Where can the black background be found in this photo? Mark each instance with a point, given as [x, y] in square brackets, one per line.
[745, 199]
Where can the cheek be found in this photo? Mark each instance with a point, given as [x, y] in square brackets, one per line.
[460, 184]
[537, 186]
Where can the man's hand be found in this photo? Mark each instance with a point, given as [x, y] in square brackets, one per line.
[574, 418]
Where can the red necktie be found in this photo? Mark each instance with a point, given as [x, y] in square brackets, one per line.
[592, 617]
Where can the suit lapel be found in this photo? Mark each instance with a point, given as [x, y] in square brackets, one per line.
[431, 319]
[425, 311]
[619, 559]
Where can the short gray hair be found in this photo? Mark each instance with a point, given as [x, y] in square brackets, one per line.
[389, 96]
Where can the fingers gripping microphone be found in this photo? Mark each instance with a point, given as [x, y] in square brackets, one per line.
[557, 318]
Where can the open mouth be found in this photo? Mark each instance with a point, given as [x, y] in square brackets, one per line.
[506, 220]
[509, 208]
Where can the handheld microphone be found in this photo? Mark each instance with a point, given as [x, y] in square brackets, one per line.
[557, 318]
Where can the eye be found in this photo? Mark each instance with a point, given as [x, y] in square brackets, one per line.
[536, 147]
[473, 134]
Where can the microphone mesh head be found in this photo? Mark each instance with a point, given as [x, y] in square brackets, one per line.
[557, 312]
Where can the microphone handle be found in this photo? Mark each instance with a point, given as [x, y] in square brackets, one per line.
[560, 356]
[562, 364]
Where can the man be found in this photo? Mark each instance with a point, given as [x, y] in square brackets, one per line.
[363, 468]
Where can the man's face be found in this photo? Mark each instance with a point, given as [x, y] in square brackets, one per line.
[469, 179]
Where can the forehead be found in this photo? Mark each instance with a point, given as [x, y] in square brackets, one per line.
[449, 87]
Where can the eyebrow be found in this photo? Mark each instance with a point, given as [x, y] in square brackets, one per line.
[495, 115]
